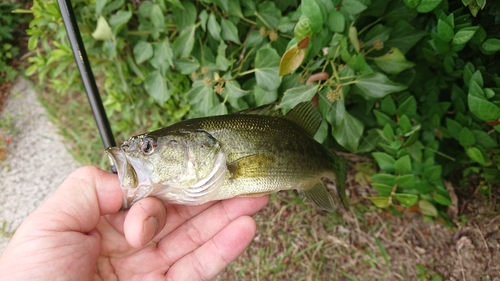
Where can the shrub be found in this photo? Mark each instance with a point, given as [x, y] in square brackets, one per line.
[415, 82]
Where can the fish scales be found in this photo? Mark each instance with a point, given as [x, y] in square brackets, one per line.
[263, 153]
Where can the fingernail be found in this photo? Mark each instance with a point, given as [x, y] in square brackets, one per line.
[150, 229]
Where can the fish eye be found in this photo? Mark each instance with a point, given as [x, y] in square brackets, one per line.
[148, 145]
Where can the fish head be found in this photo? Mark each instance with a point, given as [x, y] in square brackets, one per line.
[149, 164]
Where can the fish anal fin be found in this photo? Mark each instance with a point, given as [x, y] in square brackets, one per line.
[251, 166]
[306, 116]
[317, 193]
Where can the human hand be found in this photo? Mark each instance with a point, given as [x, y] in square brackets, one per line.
[79, 234]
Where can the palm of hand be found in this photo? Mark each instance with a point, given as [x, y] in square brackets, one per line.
[87, 239]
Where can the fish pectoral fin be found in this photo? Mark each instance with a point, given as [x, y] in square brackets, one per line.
[251, 166]
[318, 193]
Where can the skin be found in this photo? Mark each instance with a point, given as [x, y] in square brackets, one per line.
[80, 234]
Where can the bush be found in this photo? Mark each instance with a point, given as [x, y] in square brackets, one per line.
[415, 82]
[9, 27]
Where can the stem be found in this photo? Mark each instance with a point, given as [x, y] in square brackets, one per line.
[370, 25]
[263, 20]
[247, 72]
[249, 21]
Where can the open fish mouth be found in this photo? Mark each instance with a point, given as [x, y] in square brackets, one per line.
[126, 174]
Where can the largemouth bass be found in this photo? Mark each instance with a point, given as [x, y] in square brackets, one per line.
[248, 153]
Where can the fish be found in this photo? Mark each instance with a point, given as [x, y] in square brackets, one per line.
[252, 152]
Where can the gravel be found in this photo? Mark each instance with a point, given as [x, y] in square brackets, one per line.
[37, 160]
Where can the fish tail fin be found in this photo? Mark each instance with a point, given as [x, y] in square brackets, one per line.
[340, 167]
[317, 193]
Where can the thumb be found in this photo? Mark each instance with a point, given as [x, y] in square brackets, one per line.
[85, 195]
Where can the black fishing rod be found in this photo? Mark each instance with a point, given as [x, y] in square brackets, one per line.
[82, 61]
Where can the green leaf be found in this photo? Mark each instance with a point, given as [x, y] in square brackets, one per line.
[384, 161]
[406, 181]
[403, 165]
[303, 28]
[263, 96]
[156, 86]
[176, 3]
[388, 106]
[440, 199]
[445, 31]
[478, 78]
[99, 5]
[353, 38]
[376, 85]
[454, 128]
[412, 3]
[268, 15]
[483, 139]
[201, 96]
[393, 62]
[266, 69]
[426, 6]
[464, 35]
[491, 45]
[466, 138]
[475, 154]
[163, 55]
[433, 173]
[347, 131]
[382, 189]
[203, 19]
[229, 31]
[408, 107]
[213, 27]
[380, 202]
[221, 61]
[143, 51]
[119, 20]
[185, 18]
[157, 18]
[218, 109]
[336, 21]
[312, 11]
[353, 7]
[386, 179]
[406, 200]
[234, 8]
[482, 108]
[404, 36]
[184, 43]
[102, 30]
[294, 96]
[291, 60]
[187, 65]
[405, 124]
[388, 133]
[427, 208]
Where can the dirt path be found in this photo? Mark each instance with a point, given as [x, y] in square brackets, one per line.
[36, 160]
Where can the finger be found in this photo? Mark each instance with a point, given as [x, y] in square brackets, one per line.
[144, 221]
[217, 253]
[201, 228]
[78, 204]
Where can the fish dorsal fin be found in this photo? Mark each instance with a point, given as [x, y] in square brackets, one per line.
[306, 116]
[266, 110]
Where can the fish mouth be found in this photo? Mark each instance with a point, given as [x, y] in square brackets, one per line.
[126, 174]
